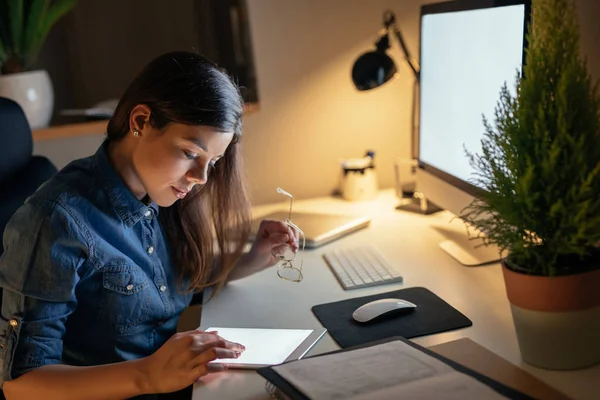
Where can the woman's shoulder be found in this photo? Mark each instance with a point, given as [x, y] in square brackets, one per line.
[43, 229]
[72, 187]
[62, 197]
[47, 239]
[65, 200]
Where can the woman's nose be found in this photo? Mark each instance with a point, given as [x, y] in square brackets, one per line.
[198, 175]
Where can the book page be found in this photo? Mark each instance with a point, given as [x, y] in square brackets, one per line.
[385, 371]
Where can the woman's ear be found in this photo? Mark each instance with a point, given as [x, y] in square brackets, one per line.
[138, 119]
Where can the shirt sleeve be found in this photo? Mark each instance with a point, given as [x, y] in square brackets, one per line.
[44, 248]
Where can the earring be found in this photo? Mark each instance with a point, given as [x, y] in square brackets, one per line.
[136, 132]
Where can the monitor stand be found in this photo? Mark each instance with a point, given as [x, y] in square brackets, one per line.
[417, 203]
[419, 206]
[471, 256]
[464, 245]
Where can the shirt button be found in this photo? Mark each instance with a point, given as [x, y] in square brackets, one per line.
[148, 213]
[129, 287]
[150, 250]
[14, 323]
[163, 288]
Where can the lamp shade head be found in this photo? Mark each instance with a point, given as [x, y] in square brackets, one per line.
[372, 69]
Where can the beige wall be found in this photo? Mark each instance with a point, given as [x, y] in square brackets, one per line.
[311, 116]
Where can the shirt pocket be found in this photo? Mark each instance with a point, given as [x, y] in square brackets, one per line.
[126, 298]
[9, 336]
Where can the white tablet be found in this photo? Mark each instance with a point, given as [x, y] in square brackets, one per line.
[266, 347]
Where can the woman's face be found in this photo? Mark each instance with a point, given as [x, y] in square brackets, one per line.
[170, 161]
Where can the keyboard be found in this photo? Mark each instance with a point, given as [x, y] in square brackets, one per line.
[361, 266]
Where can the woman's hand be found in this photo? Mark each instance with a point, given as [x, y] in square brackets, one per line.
[273, 238]
[184, 358]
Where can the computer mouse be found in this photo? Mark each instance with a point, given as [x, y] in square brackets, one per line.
[382, 308]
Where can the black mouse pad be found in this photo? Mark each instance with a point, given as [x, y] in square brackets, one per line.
[432, 315]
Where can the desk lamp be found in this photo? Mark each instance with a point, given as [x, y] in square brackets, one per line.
[374, 68]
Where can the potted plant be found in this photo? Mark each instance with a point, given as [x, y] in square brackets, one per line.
[539, 167]
[24, 26]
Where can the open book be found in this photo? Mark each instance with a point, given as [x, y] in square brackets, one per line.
[385, 370]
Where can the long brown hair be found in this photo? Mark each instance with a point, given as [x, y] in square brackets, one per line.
[212, 223]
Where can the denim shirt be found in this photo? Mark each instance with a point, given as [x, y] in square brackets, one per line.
[86, 275]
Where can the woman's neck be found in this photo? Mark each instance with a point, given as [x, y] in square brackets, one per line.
[120, 154]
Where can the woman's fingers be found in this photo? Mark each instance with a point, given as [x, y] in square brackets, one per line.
[202, 356]
[207, 352]
[283, 250]
[270, 226]
[201, 338]
[278, 238]
[278, 232]
[294, 238]
[227, 353]
[285, 239]
[212, 354]
[205, 369]
[216, 367]
[294, 234]
[200, 371]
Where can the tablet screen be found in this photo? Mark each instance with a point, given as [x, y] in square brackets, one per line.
[263, 346]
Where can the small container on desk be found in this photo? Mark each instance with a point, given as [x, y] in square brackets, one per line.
[359, 181]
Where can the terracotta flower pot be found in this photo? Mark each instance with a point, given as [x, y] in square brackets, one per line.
[557, 319]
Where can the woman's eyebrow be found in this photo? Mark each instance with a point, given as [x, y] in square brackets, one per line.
[198, 143]
[201, 144]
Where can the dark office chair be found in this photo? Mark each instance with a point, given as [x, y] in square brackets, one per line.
[21, 173]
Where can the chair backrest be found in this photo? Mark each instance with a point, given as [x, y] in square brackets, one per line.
[14, 131]
[21, 173]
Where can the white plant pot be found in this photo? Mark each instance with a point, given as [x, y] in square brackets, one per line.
[558, 340]
[33, 91]
[557, 319]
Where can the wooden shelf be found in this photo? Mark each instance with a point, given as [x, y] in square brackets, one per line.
[70, 130]
[94, 127]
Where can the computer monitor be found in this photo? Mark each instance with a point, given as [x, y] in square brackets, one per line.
[468, 50]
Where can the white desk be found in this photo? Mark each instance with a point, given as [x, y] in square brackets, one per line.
[408, 240]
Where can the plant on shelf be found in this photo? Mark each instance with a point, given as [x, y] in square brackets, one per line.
[24, 27]
[539, 167]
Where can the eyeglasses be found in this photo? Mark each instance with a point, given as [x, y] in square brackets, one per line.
[290, 269]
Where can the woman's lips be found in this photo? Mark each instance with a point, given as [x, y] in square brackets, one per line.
[179, 193]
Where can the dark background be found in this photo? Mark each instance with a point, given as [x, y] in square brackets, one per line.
[94, 51]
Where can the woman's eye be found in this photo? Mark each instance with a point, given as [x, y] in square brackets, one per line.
[213, 164]
[191, 156]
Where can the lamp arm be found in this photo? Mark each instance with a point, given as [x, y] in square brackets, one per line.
[389, 21]
[414, 66]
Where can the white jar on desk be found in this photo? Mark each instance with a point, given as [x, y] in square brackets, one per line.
[359, 181]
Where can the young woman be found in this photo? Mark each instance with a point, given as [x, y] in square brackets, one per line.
[102, 259]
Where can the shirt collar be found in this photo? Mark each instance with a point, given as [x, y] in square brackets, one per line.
[129, 208]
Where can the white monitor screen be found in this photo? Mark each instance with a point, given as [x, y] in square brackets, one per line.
[466, 57]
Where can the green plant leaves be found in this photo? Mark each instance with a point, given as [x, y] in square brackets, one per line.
[51, 15]
[540, 158]
[24, 26]
[35, 22]
[15, 8]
